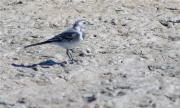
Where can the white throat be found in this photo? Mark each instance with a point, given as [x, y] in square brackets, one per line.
[78, 28]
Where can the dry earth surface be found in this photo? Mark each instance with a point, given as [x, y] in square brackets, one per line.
[129, 59]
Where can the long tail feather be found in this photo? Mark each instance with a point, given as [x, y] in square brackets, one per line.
[45, 42]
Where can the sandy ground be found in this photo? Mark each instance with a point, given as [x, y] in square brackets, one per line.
[129, 59]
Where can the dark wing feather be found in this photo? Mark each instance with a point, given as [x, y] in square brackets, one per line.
[63, 37]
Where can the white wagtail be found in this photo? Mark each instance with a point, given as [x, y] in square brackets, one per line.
[69, 38]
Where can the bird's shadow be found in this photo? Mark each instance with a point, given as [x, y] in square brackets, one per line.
[44, 64]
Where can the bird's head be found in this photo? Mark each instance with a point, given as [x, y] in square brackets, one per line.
[81, 24]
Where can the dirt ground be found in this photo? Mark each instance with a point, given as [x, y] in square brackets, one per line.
[129, 59]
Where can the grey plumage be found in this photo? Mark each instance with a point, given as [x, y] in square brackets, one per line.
[67, 39]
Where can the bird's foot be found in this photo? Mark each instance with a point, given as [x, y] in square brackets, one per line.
[73, 61]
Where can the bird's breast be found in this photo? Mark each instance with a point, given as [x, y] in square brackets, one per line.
[81, 37]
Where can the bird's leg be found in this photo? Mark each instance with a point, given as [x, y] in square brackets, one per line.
[69, 54]
[72, 51]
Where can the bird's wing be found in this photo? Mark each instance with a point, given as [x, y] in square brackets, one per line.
[65, 36]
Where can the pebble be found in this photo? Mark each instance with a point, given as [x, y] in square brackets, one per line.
[90, 98]
[113, 22]
[94, 35]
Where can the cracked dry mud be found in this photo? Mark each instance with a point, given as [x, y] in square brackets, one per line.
[129, 59]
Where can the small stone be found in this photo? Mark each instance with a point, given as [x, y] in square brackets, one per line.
[123, 24]
[53, 25]
[15, 58]
[22, 101]
[20, 2]
[100, 18]
[90, 99]
[164, 23]
[94, 35]
[34, 36]
[82, 54]
[113, 22]
[105, 21]
[88, 50]
[120, 93]
[103, 52]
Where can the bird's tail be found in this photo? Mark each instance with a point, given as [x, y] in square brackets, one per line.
[45, 42]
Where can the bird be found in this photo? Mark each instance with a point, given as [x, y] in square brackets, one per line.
[69, 38]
